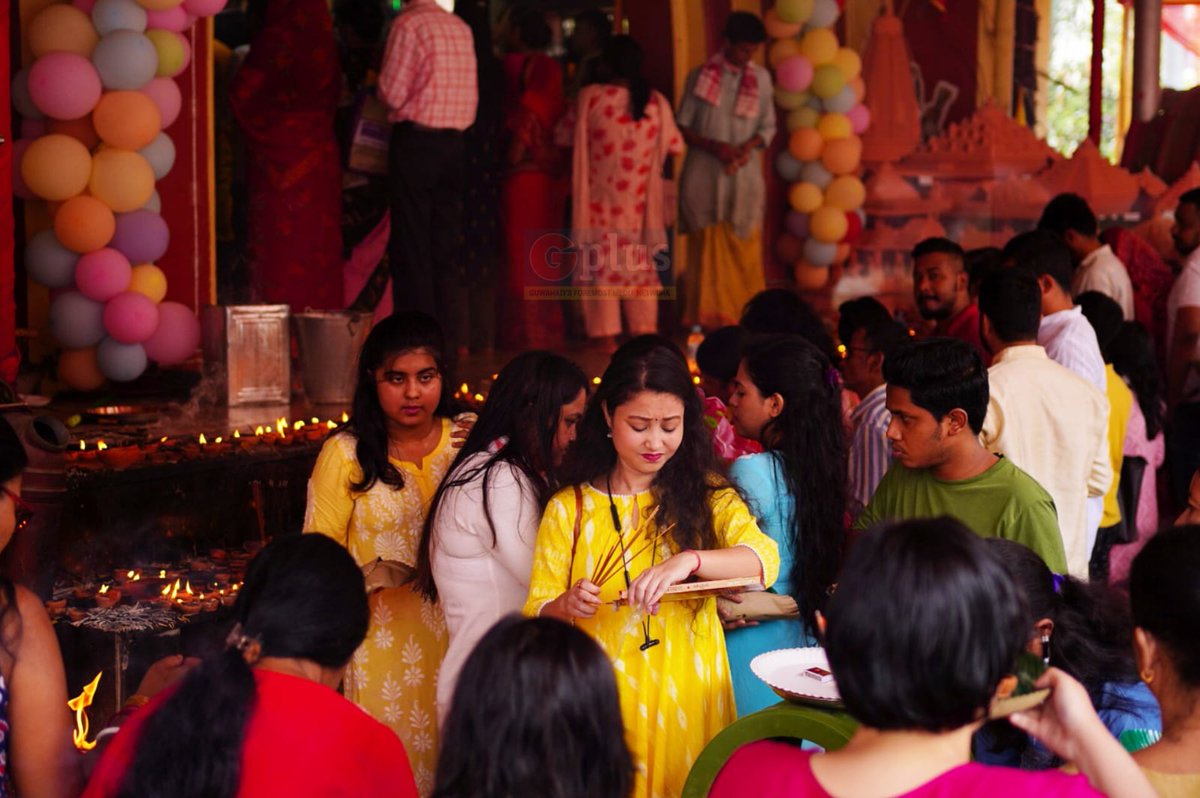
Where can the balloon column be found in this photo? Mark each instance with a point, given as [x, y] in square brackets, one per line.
[819, 87]
[94, 104]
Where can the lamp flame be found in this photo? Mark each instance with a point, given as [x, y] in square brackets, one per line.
[237, 433]
[187, 588]
[163, 439]
[298, 425]
[203, 440]
[595, 380]
[258, 430]
[331, 424]
[281, 425]
[101, 445]
[162, 574]
[345, 417]
[103, 590]
[79, 705]
[82, 446]
[316, 420]
[465, 389]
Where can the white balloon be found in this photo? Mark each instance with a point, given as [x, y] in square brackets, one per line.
[787, 166]
[48, 261]
[154, 203]
[121, 362]
[819, 253]
[814, 172]
[842, 102]
[111, 15]
[825, 13]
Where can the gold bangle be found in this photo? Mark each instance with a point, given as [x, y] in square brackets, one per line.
[136, 700]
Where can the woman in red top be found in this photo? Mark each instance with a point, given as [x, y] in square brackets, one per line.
[264, 717]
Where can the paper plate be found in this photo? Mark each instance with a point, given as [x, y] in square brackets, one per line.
[783, 671]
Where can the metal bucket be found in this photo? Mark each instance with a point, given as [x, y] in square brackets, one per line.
[329, 345]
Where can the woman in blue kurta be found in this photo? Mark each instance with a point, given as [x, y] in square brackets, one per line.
[787, 396]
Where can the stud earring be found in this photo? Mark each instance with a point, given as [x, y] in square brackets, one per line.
[1045, 649]
[1147, 676]
[608, 434]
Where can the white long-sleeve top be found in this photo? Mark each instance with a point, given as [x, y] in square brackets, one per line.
[1052, 425]
[480, 581]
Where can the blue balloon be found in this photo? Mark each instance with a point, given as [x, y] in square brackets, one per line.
[49, 262]
[111, 15]
[125, 59]
[842, 102]
[160, 154]
[76, 321]
[787, 166]
[824, 14]
[818, 253]
[121, 362]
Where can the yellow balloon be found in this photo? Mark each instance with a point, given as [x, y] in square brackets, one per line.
[149, 280]
[835, 126]
[846, 193]
[121, 179]
[849, 62]
[778, 28]
[828, 224]
[62, 29]
[809, 277]
[790, 100]
[171, 55]
[819, 45]
[802, 117]
[841, 157]
[56, 167]
[805, 197]
[78, 369]
[797, 11]
[805, 144]
[827, 81]
[781, 49]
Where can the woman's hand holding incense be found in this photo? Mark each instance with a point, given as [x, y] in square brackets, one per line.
[648, 587]
[581, 601]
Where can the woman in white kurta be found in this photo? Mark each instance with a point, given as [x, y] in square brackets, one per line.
[477, 552]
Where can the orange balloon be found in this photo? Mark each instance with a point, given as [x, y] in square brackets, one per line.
[859, 87]
[842, 156]
[128, 120]
[805, 144]
[805, 197]
[846, 192]
[84, 224]
[62, 28]
[78, 369]
[843, 253]
[834, 126]
[779, 50]
[809, 277]
[124, 180]
[80, 129]
[777, 28]
[56, 167]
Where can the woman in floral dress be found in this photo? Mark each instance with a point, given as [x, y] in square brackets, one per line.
[369, 491]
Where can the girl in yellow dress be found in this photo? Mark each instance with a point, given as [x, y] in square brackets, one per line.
[648, 510]
[369, 491]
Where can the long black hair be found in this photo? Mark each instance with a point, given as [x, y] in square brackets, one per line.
[1092, 627]
[684, 486]
[623, 56]
[13, 462]
[536, 712]
[781, 311]
[523, 408]
[303, 598]
[401, 332]
[1165, 596]
[810, 442]
[1132, 354]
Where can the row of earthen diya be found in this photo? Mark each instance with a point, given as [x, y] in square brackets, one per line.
[172, 449]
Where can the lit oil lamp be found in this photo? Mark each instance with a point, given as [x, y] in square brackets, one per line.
[120, 456]
[107, 597]
[345, 417]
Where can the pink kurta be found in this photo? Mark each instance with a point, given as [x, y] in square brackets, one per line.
[618, 217]
[1121, 557]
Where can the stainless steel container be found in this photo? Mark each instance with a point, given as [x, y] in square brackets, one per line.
[329, 345]
[247, 351]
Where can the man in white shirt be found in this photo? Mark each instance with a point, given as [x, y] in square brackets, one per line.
[1064, 333]
[1097, 268]
[1048, 420]
[1183, 349]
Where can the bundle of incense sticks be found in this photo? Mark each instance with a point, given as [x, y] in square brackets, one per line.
[613, 561]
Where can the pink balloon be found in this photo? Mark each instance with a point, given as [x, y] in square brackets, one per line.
[177, 336]
[85, 6]
[203, 8]
[19, 188]
[130, 317]
[173, 19]
[64, 85]
[860, 119]
[102, 274]
[165, 94]
[794, 73]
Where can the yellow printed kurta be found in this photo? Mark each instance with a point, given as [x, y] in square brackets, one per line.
[677, 695]
[393, 675]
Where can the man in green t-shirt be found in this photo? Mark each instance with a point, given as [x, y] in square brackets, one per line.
[937, 393]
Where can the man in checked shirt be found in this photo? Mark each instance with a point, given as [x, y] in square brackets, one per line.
[428, 81]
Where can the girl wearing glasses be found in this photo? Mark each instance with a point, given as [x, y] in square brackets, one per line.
[369, 491]
[33, 685]
[647, 510]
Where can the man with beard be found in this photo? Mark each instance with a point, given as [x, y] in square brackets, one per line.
[1183, 349]
[940, 291]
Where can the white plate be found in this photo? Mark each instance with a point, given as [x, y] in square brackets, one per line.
[33, 400]
[783, 670]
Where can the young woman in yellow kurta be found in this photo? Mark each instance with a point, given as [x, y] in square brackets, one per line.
[369, 491]
[649, 494]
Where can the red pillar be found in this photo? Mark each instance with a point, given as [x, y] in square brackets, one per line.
[1095, 89]
[8, 306]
